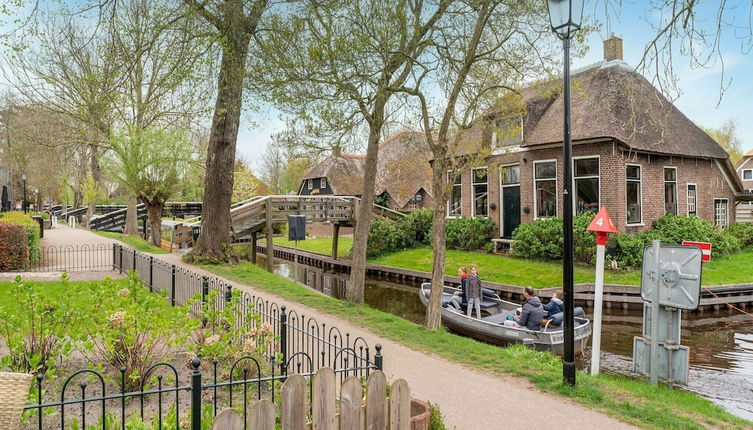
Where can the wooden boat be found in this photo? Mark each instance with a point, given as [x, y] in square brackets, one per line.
[491, 327]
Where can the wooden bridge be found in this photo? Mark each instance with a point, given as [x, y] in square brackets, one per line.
[259, 214]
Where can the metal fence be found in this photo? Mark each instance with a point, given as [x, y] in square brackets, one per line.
[302, 345]
[69, 258]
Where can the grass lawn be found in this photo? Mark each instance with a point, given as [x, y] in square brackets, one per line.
[632, 401]
[135, 242]
[320, 245]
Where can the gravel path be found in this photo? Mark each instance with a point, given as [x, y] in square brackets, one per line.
[469, 399]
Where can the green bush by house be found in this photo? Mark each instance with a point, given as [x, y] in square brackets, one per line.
[470, 234]
[19, 241]
[542, 239]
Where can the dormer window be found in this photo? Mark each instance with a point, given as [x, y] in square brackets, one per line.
[323, 183]
[311, 184]
[508, 132]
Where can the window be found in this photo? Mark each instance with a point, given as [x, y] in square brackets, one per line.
[670, 191]
[586, 173]
[415, 201]
[691, 199]
[748, 192]
[508, 132]
[545, 193]
[510, 174]
[480, 192]
[748, 175]
[633, 193]
[455, 206]
[323, 183]
[311, 184]
[720, 212]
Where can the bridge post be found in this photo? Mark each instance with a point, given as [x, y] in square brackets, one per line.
[270, 243]
[335, 237]
[252, 249]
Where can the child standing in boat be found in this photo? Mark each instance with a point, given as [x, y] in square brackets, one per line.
[474, 292]
[460, 296]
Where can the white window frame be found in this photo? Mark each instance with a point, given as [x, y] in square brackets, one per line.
[322, 183]
[726, 218]
[473, 191]
[677, 185]
[556, 188]
[640, 193]
[501, 187]
[311, 184]
[695, 197]
[575, 191]
[449, 198]
[743, 174]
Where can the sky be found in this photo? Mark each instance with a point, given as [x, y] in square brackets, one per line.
[700, 87]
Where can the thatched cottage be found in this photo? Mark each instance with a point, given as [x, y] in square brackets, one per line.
[403, 180]
[744, 169]
[633, 152]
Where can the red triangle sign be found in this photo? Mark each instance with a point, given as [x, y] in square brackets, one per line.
[602, 222]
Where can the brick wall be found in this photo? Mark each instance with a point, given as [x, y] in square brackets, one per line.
[613, 158]
[748, 164]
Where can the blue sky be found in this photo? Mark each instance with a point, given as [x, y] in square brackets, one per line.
[700, 87]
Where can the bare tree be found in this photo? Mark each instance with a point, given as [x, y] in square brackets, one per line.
[728, 137]
[272, 166]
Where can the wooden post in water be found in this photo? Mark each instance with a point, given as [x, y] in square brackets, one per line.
[270, 244]
[335, 237]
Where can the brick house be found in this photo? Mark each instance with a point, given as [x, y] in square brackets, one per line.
[403, 180]
[633, 152]
[744, 169]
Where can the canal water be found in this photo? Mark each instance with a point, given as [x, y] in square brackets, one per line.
[721, 343]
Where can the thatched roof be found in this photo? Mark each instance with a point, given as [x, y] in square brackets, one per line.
[748, 155]
[403, 167]
[344, 174]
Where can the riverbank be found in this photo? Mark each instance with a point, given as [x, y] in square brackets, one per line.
[632, 401]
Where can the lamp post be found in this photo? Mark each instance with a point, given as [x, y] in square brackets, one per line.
[36, 199]
[565, 18]
[23, 178]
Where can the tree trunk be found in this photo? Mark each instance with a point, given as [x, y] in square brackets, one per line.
[218, 181]
[89, 213]
[355, 290]
[438, 244]
[131, 223]
[154, 211]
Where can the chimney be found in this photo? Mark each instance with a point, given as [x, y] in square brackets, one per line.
[613, 48]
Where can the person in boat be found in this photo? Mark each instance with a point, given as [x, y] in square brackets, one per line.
[473, 292]
[460, 298]
[532, 312]
[555, 306]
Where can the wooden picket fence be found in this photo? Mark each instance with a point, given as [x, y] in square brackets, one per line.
[356, 412]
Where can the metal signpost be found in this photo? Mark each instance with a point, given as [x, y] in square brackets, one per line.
[670, 281]
[602, 224]
[296, 232]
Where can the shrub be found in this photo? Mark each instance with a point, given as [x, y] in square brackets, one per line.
[584, 241]
[416, 228]
[384, 237]
[674, 229]
[743, 231]
[436, 420]
[469, 234]
[542, 239]
[32, 233]
[14, 250]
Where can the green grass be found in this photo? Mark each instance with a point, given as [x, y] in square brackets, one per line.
[320, 245]
[632, 401]
[135, 242]
[541, 274]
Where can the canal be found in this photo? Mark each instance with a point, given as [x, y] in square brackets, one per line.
[721, 343]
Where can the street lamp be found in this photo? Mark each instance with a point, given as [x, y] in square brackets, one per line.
[36, 199]
[565, 17]
[23, 178]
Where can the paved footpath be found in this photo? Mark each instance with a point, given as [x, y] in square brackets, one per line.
[469, 399]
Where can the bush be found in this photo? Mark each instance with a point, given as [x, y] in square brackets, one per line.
[416, 228]
[384, 237]
[31, 228]
[436, 420]
[743, 231]
[543, 239]
[14, 249]
[469, 234]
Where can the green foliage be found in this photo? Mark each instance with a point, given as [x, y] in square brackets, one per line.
[416, 228]
[91, 192]
[743, 231]
[542, 239]
[436, 420]
[384, 237]
[132, 328]
[469, 234]
[19, 247]
[35, 329]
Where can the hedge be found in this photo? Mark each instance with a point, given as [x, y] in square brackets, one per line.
[542, 239]
[28, 239]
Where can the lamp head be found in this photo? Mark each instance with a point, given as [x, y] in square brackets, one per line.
[565, 16]
[23, 175]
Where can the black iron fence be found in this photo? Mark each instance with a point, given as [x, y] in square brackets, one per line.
[301, 345]
[70, 258]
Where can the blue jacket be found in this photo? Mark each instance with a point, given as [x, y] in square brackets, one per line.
[464, 290]
[554, 306]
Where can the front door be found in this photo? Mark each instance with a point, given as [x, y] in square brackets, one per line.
[510, 199]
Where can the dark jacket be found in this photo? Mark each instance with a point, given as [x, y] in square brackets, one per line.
[532, 314]
[464, 290]
[554, 307]
[474, 287]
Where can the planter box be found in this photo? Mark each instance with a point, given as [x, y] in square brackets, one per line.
[419, 415]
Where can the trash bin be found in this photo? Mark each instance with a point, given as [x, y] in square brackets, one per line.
[195, 232]
[40, 220]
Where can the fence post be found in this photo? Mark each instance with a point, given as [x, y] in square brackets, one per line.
[196, 394]
[172, 287]
[134, 260]
[114, 255]
[151, 273]
[120, 260]
[283, 341]
[204, 291]
[378, 359]
[228, 294]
